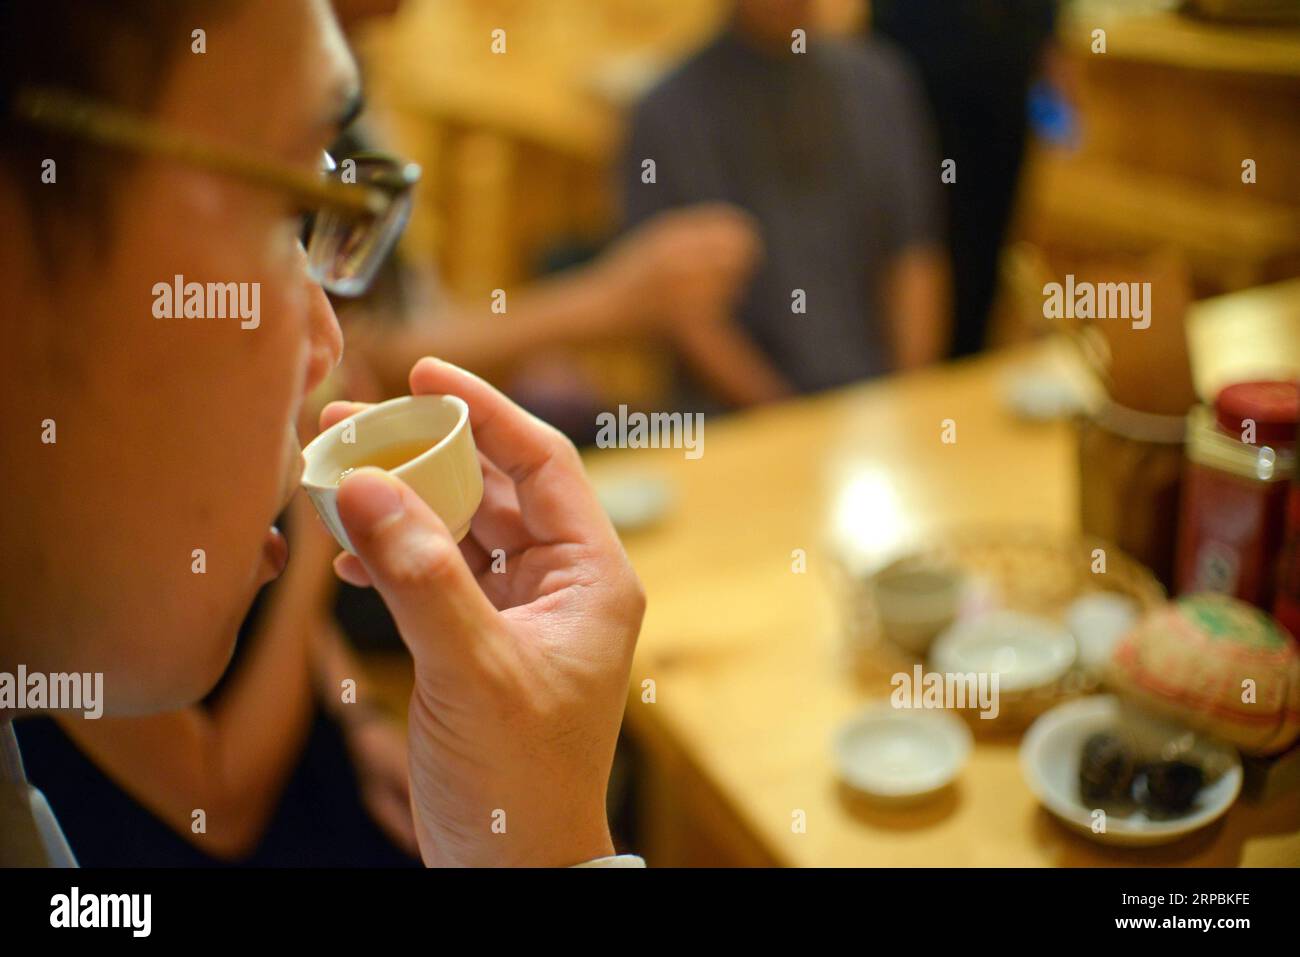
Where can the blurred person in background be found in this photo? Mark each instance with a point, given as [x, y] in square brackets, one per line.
[652, 282]
[828, 149]
[648, 284]
[978, 60]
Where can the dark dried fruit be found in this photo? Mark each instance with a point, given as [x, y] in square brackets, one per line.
[1168, 787]
[1106, 770]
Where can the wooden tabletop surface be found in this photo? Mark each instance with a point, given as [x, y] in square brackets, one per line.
[746, 653]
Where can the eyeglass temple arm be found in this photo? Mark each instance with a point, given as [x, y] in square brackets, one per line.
[70, 114]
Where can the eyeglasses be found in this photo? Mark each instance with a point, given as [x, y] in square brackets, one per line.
[361, 204]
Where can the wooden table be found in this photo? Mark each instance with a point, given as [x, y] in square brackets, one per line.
[745, 653]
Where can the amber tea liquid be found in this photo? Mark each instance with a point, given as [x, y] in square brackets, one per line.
[389, 456]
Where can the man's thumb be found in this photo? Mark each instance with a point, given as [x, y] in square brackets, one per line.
[413, 561]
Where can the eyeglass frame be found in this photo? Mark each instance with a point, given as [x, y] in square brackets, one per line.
[109, 125]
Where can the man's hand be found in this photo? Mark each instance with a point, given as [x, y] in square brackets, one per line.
[522, 638]
[686, 265]
[918, 306]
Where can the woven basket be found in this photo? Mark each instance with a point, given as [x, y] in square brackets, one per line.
[1018, 569]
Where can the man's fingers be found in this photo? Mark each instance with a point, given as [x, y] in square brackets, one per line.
[498, 523]
[338, 411]
[349, 568]
[411, 559]
[518, 442]
[556, 501]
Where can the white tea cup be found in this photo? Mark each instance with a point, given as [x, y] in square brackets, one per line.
[424, 440]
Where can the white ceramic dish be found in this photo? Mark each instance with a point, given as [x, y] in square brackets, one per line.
[1050, 755]
[1098, 620]
[1026, 652]
[1041, 395]
[634, 502]
[916, 603]
[901, 755]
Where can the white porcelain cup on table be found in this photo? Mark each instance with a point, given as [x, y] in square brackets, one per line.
[447, 475]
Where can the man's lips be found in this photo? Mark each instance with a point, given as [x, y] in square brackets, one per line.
[275, 554]
[275, 547]
[297, 465]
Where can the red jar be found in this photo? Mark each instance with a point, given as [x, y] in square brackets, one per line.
[1286, 606]
[1233, 511]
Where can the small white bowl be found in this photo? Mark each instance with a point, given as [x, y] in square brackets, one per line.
[1026, 652]
[916, 602]
[1053, 747]
[899, 754]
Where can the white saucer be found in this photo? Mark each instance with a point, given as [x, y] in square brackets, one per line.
[1025, 652]
[1050, 755]
[900, 754]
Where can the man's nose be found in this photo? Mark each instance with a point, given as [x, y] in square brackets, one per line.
[325, 336]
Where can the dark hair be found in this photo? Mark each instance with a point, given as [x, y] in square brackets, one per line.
[115, 50]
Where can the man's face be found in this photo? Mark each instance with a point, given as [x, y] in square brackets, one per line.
[173, 435]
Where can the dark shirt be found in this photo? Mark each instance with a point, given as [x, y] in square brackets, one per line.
[830, 151]
[319, 821]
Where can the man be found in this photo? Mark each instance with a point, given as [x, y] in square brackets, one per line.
[136, 443]
[825, 146]
[289, 777]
